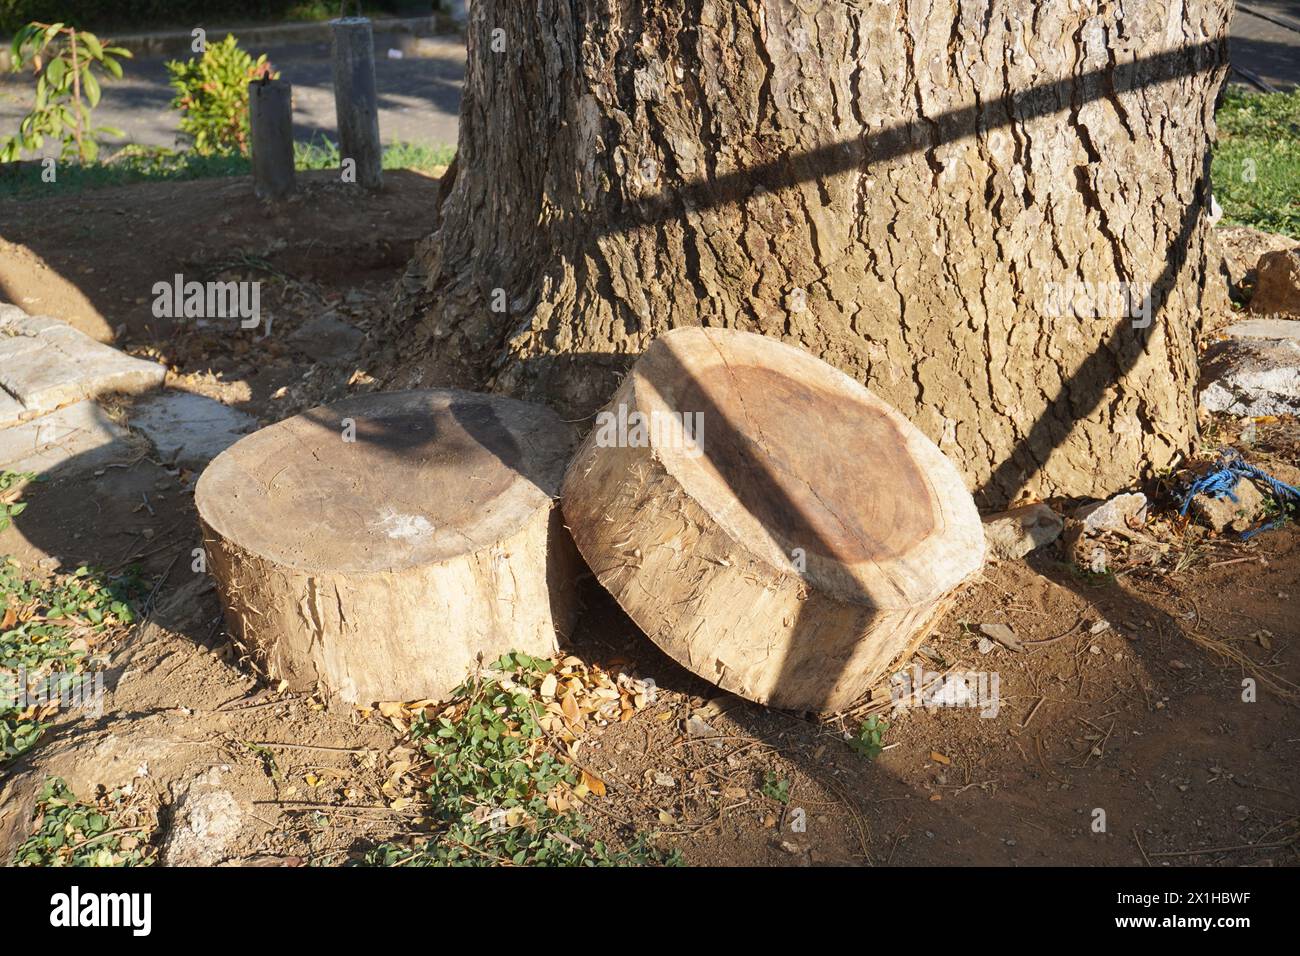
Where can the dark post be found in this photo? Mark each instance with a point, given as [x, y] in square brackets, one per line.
[270, 119]
[356, 100]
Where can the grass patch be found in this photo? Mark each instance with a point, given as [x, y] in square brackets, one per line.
[140, 164]
[51, 632]
[323, 153]
[499, 795]
[113, 831]
[1256, 162]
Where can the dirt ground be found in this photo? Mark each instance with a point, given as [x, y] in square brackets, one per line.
[1127, 697]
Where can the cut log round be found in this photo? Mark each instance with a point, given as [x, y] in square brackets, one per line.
[376, 548]
[766, 520]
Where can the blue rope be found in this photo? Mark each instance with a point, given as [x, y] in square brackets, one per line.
[1221, 482]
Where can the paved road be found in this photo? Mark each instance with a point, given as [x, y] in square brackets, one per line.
[1266, 42]
[420, 93]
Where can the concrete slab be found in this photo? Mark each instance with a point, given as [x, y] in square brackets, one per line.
[190, 429]
[45, 364]
[10, 409]
[1252, 377]
[72, 439]
[1281, 329]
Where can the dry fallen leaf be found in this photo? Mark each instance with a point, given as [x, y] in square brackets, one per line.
[570, 707]
[594, 784]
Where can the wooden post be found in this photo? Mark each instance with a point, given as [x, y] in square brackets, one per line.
[356, 101]
[270, 120]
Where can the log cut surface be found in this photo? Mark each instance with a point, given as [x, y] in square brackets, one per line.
[378, 546]
[791, 539]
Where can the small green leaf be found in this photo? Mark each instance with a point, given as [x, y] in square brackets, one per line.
[91, 87]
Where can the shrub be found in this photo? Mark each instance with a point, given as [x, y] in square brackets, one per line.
[212, 95]
[63, 61]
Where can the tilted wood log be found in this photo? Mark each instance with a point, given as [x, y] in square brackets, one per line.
[768, 521]
[377, 547]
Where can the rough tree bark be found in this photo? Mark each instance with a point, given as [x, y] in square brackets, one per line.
[903, 188]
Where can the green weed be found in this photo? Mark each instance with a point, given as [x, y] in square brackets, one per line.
[870, 738]
[498, 794]
[111, 832]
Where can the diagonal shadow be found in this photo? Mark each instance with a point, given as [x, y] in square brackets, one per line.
[1079, 395]
[1084, 390]
[1082, 393]
[902, 139]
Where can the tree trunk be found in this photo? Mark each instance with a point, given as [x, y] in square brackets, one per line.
[914, 191]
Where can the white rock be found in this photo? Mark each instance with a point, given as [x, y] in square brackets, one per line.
[1252, 377]
[1118, 513]
[1014, 533]
[204, 824]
